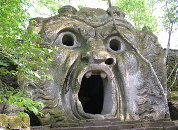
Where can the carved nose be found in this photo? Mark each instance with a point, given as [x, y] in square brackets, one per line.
[97, 54]
[98, 58]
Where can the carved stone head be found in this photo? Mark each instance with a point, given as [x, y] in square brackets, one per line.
[100, 72]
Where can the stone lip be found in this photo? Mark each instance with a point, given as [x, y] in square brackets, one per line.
[96, 68]
[109, 84]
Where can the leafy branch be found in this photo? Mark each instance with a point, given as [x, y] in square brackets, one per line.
[18, 48]
[19, 98]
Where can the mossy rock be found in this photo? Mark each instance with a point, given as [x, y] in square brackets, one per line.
[25, 121]
[3, 120]
[173, 104]
[26, 128]
[15, 122]
[4, 129]
[173, 94]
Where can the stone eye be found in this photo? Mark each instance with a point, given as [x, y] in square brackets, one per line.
[68, 40]
[115, 45]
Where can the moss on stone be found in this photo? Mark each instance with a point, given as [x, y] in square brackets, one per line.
[28, 128]
[173, 104]
[25, 121]
[15, 122]
[3, 120]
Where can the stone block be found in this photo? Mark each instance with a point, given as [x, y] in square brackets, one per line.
[65, 125]
[157, 124]
[47, 127]
[3, 120]
[3, 128]
[15, 122]
[28, 128]
[171, 128]
[25, 121]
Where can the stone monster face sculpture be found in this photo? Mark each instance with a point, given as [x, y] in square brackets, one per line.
[100, 72]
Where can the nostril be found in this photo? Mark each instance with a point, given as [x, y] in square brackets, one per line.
[109, 61]
[84, 59]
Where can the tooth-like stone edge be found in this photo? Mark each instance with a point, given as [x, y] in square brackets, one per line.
[88, 74]
[103, 75]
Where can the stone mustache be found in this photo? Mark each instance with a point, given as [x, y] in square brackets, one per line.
[100, 72]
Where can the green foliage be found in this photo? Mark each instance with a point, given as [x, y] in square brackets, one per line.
[80, 6]
[19, 98]
[18, 47]
[169, 21]
[52, 6]
[170, 8]
[172, 66]
[140, 12]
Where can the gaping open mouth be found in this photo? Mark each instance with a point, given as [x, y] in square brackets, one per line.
[91, 93]
[96, 86]
[95, 93]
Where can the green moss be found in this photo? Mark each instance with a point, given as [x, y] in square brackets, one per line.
[15, 122]
[173, 95]
[3, 120]
[60, 118]
[25, 121]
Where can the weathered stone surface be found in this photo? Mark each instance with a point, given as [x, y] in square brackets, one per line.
[25, 121]
[40, 128]
[68, 9]
[115, 125]
[3, 128]
[173, 104]
[172, 61]
[12, 110]
[56, 125]
[1, 106]
[15, 122]
[100, 72]
[3, 120]
[173, 94]
[28, 128]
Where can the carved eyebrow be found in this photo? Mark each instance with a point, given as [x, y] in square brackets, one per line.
[109, 30]
[122, 31]
[105, 31]
[127, 35]
[83, 30]
[71, 28]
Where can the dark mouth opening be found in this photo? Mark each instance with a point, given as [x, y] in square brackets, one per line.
[91, 94]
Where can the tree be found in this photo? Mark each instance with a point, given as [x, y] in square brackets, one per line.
[51, 5]
[18, 53]
[170, 18]
[170, 22]
[139, 12]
